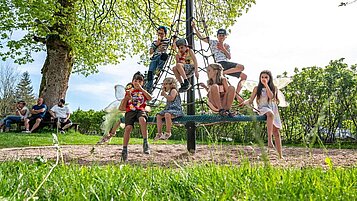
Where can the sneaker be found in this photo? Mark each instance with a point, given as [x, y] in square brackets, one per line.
[62, 132]
[185, 87]
[146, 148]
[158, 136]
[27, 131]
[106, 139]
[124, 156]
[166, 136]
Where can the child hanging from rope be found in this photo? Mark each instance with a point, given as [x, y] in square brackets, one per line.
[267, 99]
[220, 95]
[221, 53]
[186, 65]
[134, 104]
[158, 55]
[172, 110]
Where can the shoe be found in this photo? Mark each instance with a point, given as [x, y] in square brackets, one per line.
[146, 148]
[62, 132]
[185, 87]
[231, 113]
[106, 139]
[27, 131]
[158, 136]
[166, 136]
[223, 112]
[7, 129]
[124, 156]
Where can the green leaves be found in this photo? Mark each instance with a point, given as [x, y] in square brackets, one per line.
[102, 32]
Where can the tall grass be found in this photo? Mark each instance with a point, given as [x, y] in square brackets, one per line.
[18, 180]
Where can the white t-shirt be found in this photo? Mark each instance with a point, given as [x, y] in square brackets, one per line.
[60, 112]
[218, 54]
[27, 112]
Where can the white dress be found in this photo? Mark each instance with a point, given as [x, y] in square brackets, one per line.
[264, 106]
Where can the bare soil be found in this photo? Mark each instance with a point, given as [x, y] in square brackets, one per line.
[177, 155]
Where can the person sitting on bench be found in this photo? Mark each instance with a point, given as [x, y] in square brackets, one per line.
[38, 112]
[61, 114]
[21, 113]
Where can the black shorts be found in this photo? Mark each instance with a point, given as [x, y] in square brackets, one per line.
[33, 118]
[228, 65]
[133, 116]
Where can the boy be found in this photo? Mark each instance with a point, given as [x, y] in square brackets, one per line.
[186, 65]
[221, 53]
[158, 55]
[137, 98]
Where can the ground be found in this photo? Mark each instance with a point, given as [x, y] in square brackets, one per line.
[177, 155]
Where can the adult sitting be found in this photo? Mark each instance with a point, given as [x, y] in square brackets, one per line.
[21, 113]
[61, 114]
[38, 112]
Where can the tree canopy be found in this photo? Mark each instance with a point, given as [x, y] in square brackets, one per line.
[99, 32]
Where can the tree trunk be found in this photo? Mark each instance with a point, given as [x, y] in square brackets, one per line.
[55, 71]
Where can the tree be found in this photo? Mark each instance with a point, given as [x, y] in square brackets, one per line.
[24, 90]
[8, 76]
[81, 35]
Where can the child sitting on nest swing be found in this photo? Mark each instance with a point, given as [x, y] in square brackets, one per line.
[220, 94]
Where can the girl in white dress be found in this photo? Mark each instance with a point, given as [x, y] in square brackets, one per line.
[267, 99]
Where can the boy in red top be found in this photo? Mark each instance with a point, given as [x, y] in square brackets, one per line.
[134, 104]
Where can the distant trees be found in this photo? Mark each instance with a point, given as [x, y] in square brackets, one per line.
[24, 89]
[13, 89]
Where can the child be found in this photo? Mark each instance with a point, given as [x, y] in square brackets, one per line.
[172, 110]
[137, 97]
[221, 53]
[220, 95]
[267, 100]
[186, 64]
[158, 55]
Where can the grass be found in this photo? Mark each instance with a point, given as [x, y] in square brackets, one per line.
[18, 180]
[12, 139]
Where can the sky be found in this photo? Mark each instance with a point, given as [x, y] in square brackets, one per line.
[278, 35]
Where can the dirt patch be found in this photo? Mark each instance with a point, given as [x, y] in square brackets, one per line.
[177, 155]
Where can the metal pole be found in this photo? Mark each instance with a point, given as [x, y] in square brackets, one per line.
[190, 126]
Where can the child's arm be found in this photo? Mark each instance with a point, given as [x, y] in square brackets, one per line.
[204, 39]
[252, 96]
[177, 57]
[204, 86]
[145, 93]
[171, 96]
[269, 92]
[124, 102]
[224, 48]
[225, 84]
[195, 64]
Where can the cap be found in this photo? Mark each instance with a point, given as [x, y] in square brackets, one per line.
[181, 41]
[222, 31]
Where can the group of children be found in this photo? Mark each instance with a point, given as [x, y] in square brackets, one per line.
[220, 93]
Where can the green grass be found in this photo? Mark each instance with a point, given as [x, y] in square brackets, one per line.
[11, 139]
[18, 180]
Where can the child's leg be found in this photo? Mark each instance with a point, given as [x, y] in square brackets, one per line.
[159, 123]
[177, 73]
[168, 121]
[228, 98]
[277, 138]
[143, 127]
[238, 68]
[243, 78]
[270, 119]
[127, 131]
[214, 96]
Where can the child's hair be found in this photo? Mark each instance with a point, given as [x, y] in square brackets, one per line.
[138, 76]
[163, 28]
[270, 84]
[219, 74]
[172, 82]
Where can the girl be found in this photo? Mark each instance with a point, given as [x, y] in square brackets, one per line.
[220, 94]
[172, 110]
[186, 64]
[267, 100]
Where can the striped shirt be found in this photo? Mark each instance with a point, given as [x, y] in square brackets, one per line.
[162, 48]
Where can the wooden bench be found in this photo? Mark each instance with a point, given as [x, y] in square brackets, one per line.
[47, 123]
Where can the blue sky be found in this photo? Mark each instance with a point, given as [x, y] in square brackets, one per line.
[277, 35]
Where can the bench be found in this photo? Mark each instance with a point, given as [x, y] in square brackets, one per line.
[47, 123]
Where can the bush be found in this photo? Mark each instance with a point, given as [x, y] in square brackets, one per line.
[90, 121]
